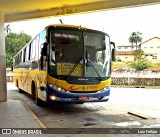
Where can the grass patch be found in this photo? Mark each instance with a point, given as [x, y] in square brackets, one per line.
[154, 66]
[118, 65]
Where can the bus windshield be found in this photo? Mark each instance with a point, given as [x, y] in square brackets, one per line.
[79, 53]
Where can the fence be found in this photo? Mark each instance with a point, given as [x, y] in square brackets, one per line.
[132, 81]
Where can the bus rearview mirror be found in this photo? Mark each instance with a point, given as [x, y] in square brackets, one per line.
[113, 51]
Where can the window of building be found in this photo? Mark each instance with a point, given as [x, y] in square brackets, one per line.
[154, 57]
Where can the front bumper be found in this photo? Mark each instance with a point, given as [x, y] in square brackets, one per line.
[65, 97]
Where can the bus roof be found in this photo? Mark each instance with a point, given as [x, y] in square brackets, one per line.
[58, 25]
[65, 25]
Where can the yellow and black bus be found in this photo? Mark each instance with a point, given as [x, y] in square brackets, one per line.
[65, 63]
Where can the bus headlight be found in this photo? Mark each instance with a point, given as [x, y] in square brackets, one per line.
[52, 97]
[57, 88]
[104, 89]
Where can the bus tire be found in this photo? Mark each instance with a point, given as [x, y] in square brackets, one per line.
[35, 95]
[33, 90]
[19, 90]
[39, 102]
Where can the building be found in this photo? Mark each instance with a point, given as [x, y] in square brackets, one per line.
[125, 48]
[151, 48]
[125, 56]
[125, 53]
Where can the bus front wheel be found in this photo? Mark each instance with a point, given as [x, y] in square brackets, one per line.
[35, 96]
[39, 102]
[19, 90]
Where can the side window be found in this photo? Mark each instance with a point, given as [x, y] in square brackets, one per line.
[43, 66]
[27, 53]
[24, 55]
[37, 46]
[42, 39]
[33, 49]
[17, 58]
[42, 61]
[34, 65]
[30, 51]
[15, 63]
[20, 57]
[29, 57]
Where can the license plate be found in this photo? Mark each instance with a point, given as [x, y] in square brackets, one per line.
[83, 98]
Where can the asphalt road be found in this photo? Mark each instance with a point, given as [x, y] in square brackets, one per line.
[113, 113]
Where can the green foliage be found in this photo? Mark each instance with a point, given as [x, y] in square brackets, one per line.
[14, 42]
[119, 60]
[139, 54]
[140, 64]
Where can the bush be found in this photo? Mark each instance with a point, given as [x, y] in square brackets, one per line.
[119, 60]
[140, 64]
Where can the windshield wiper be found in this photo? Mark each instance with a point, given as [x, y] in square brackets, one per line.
[89, 62]
[74, 67]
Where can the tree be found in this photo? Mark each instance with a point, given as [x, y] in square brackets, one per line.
[132, 39]
[135, 38]
[7, 29]
[14, 42]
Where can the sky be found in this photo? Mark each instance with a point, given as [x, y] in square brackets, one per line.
[118, 24]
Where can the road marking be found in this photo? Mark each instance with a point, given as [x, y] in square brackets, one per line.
[34, 115]
[141, 115]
